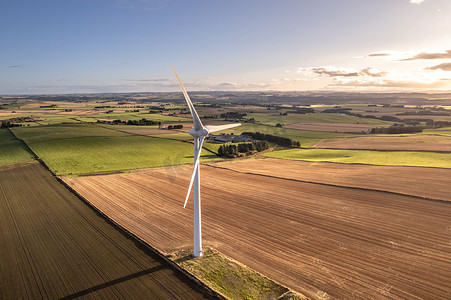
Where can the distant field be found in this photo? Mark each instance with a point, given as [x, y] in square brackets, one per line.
[331, 127]
[422, 182]
[80, 149]
[273, 117]
[386, 158]
[11, 149]
[395, 142]
[138, 116]
[54, 246]
[439, 131]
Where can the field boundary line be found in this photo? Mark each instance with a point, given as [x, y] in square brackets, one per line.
[331, 184]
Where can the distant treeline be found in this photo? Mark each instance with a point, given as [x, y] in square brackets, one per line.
[242, 149]
[397, 129]
[302, 110]
[12, 122]
[177, 126]
[7, 124]
[141, 122]
[282, 141]
[423, 113]
[233, 115]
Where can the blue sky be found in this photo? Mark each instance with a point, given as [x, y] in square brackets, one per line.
[84, 46]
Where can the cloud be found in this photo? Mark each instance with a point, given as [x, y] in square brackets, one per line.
[416, 1]
[372, 72]
[16, 67]
[332, 71]
[430, 55]
[444, 67]
[150, 80]
[378, 54]
[388, 83]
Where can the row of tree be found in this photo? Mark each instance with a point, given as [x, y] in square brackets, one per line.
[143, 121]
[242, 149]
[396, 129]
[282, 141]
[7, 124]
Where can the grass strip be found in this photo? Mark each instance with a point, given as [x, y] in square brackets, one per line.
[368, 157]
[230, 278]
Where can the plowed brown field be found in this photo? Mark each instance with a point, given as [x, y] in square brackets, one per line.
[52, 245]
[324, 241]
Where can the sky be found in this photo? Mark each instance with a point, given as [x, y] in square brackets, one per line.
[95, 46]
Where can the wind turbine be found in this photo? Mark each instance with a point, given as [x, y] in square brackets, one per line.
[199, 132]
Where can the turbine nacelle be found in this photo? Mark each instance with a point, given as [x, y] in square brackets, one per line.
[199, 133]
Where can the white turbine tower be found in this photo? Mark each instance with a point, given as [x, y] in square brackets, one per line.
[199, 132]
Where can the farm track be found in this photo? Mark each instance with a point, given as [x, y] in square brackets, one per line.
[321, 240]
[55, 246]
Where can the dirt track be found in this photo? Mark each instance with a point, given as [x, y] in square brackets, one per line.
[323, 241]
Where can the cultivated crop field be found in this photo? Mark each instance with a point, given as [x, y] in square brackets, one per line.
[368, 157]
[84, 148]
[416, 142]
[11, 149]
[358, 240]
[54, 246]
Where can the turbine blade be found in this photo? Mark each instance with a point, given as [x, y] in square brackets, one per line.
[196, 120]
[213, 128]
[196, 163]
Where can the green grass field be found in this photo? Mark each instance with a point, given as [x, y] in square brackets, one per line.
[388, 158]
[272, 118]
[135, 116]
[446, 131]
[83, 148]
[11, 149]
[230, 278]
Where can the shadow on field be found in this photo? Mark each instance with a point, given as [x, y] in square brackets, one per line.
[184, 258]
[113, 282]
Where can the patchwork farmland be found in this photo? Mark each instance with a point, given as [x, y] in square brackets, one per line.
[363, 240]
[347, 215]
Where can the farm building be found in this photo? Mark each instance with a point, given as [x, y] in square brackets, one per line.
[229, 138]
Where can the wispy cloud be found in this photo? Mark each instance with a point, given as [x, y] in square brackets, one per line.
[444, 67]
[430, 55]
[16, 67]
[332, 71]
[416, 1]
[388, 83]
[150, 80]
[378, 54]
[408, 55]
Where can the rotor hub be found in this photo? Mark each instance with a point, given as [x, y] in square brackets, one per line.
[198, 133]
